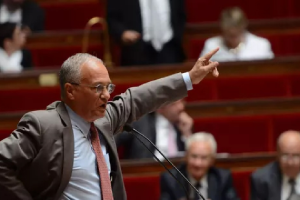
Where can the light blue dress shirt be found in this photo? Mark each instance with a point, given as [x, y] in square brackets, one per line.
[85, 180]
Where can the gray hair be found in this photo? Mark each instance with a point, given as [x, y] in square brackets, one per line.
[70, 70]
[202, 137]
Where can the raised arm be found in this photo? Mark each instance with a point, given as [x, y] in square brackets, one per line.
[138, 101]
[15, 152]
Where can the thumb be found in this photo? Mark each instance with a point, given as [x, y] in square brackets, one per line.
[211, 66]
[215, 72]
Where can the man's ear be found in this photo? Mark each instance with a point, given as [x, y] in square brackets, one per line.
[69, 89]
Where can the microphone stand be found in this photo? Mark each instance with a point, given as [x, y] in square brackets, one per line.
[130, 129]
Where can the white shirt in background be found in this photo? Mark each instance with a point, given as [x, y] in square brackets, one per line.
[10, 63]
[164, 130]
[156, 22]
[7, 16]
[254, 48]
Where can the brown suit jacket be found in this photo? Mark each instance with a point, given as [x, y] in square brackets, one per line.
[36, 160]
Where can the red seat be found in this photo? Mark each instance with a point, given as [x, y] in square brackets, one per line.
[28, 99]
[45, 57]
[233, 88]
[4, 134]
[241, 181]
[283, 123]
[60, 16]
[146, 188]
[237, 134]
[252, 87]
[279, 9]
[284, 45]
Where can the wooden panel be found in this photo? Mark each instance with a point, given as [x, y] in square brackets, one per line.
[207, 110]
[278, 66]
[238, 162]
[193, 31]
[247, 107]
[57, 2]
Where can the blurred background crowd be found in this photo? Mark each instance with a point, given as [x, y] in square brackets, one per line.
[235, 137]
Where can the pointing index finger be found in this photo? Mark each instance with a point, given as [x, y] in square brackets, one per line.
[210, 54]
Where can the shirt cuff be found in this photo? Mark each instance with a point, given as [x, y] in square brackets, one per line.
[187, 79]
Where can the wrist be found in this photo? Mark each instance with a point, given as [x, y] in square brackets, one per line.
[191, 74]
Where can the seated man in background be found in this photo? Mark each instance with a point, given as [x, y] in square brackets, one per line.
[213, 183]
[280, 180]
[25, 12]
[236, 43]
[167, 128]
[12, 57]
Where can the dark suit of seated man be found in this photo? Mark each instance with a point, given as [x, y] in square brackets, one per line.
[280, 180]
[213, 183]
[168, 128]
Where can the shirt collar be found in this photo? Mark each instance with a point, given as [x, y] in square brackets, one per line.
[164, 122]
[78, 122]
[203, 181]
[286, 179]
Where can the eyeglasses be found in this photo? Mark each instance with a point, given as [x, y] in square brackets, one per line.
[99, 88]
[294, 157]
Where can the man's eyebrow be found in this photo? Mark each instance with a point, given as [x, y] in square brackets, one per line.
[97, 83]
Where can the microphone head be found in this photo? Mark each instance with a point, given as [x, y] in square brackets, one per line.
[127, 128]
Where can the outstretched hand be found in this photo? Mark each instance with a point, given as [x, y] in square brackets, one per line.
[203, 66]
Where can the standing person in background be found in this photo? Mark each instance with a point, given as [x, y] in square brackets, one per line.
[25, 12]
[149, 31]
[236, 43]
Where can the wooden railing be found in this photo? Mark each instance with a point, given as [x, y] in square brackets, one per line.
[236, 162]
[193, 31]
[278, 66]
[8, 121]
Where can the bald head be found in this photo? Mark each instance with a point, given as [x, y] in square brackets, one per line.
[92, 68]
[289, 153]
[289, 140]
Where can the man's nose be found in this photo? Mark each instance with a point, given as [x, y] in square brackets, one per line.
[105, 95]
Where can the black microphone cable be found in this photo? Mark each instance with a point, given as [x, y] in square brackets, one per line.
[129, 128]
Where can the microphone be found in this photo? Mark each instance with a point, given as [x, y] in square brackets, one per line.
[130, 129]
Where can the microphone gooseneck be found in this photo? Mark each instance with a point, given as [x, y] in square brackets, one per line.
[129, 129]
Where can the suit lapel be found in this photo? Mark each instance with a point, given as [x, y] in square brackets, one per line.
[151, 133]
[180, 193]
[68, 148]
[276, 180]
[212, 187]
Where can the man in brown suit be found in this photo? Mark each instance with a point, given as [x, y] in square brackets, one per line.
[53, 154]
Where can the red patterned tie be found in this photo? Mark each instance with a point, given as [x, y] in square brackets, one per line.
[102, 167]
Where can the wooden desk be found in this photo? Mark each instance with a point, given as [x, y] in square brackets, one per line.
[56, 39]
[236, 162]
[278, 66]
[8, 121]
[242, 108]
